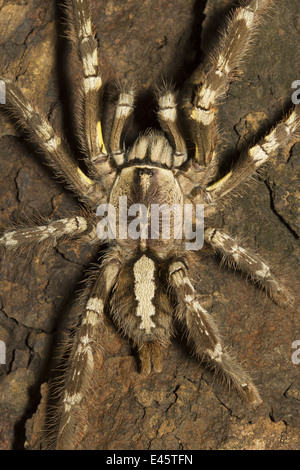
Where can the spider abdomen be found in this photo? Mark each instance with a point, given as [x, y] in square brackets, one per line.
[140, 306]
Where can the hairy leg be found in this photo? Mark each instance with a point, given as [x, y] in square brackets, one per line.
[210, 83]
[56, 150]
[79, 374]
[168, 118]
[283, 136]
[204, 335]
[237, 256]
[89, 115]
[123, 113]
[50, 233]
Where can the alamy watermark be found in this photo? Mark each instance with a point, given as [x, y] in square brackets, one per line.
[296, 94]
[296, 354]
[2, 352]
[156, 222]
[2, 92]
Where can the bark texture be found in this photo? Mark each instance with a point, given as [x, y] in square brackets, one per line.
[181, 408]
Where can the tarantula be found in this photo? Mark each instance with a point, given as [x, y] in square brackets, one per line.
[147, 282]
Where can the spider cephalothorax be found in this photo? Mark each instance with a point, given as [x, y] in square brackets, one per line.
[148, 281]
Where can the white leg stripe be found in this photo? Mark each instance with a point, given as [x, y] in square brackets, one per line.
[53, 143]
[203, 116]
[247, 16]
[259, 155]
[92, 84]
[217, 353]
[90, 63]
[95, 305]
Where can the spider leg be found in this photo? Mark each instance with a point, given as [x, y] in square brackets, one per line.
[82, 356]
[209, 84]
[168, 118]
[204, 335]
[90, 128]
[56, 150]
[249, 262]
[123, 112]
[51, 232]
[283, 136]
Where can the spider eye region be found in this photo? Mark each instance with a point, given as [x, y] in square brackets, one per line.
[145, 171]
[145, 183]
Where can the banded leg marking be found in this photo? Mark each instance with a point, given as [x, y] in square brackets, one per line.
[123, 112]
[70, 227]
[249, 262]
[91, 137]
[211, 86]
[168, 118]
[284, 135]
[80, 373]
[204, 335]
[56, 149]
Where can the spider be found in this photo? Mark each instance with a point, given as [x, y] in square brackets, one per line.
[147, 283]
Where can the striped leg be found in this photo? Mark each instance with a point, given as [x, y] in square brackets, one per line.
[23, 237]
[168, 118]
[123, 113]
[204, 335]
[55, 149]
[81, 361]
[249, 262]
[211, 86]
[82, 35]
[283, 136]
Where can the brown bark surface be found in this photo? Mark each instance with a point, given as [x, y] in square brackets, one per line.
[181, 408]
